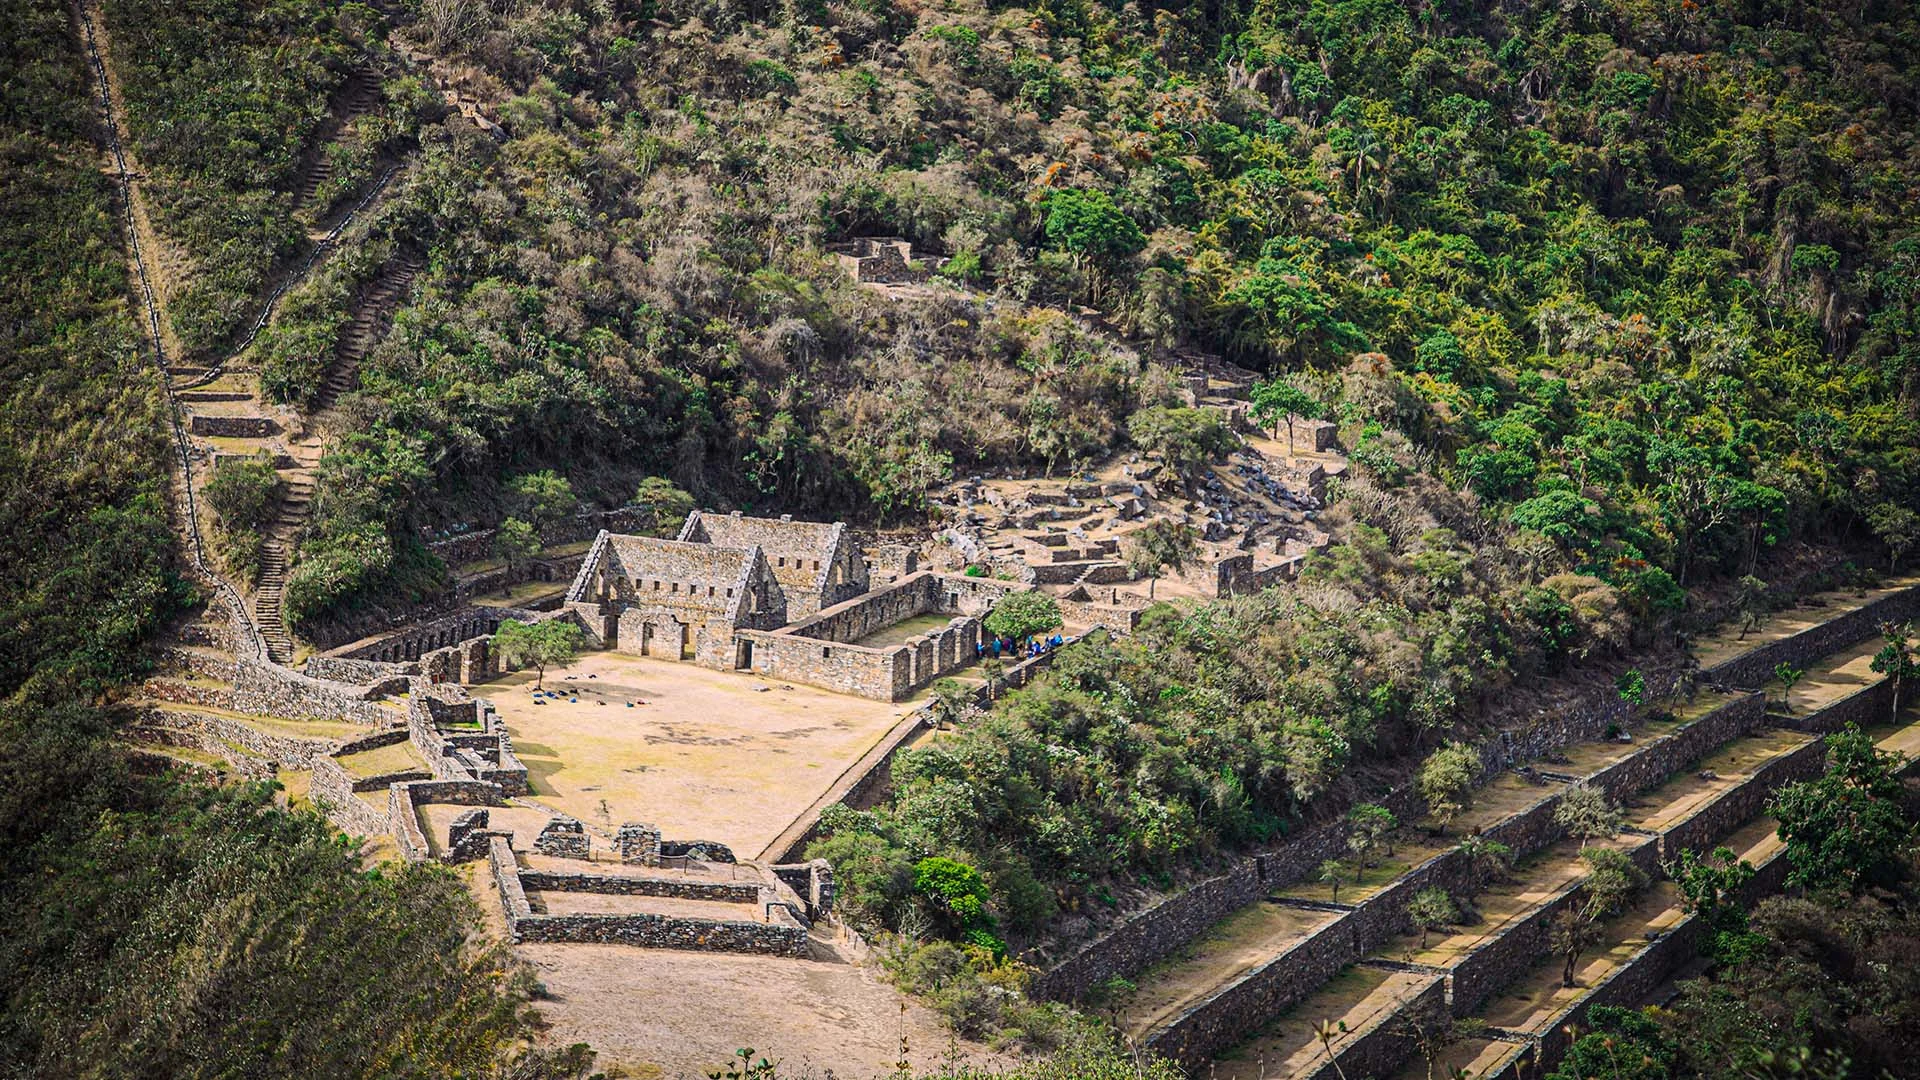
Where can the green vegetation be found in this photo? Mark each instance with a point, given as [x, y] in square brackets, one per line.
[156, 925]
[244, 494]
[84, 536]
[1021, 615]
[1446, 781]
[1586, 814]
[553, 643]
[1611, 885]
[1846, 830]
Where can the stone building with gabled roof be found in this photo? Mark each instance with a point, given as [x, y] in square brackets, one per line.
[675, 599]
[815, 562]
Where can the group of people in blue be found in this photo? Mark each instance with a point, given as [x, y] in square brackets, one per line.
[995, 648]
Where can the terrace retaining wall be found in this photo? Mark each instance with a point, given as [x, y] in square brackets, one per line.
[1755, 668]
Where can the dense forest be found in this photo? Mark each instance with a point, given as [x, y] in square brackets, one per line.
[1614, 301]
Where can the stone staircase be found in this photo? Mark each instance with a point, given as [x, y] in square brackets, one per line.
[295, 505]
[369, 325]
[360, 93]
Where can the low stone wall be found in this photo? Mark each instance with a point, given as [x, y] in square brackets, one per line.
[1702, 829]
[506, 878]
[182, 693]
[477, 545]
[1653, 763]
[404, 799]
[722, 891]
[1866, 706]
[1384, 1044]
[1224, 1019]
[242, 764]
[1509, 955]
[560, 569]
[333, 790]
[269, 690]
[358, 672]
[781, 937]
[288, 751]
[233, 427]
[1755, 668]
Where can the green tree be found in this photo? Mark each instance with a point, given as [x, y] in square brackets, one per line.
[1845, 829]
[1897, 527]
[1157, 545]
[552, 643]
[1585, 812]
[952, 700]
[1277, 402]
[1087, 224]
[514, 542]
[1431, 909]
[1488, 859]
[1186, 439]
[1750, 600]
[1611, 884]
[668, 505]
[1710, 887]
[1446, 780]
[1896, 659]
[1788, 676]
[1020, 615]
[541, 499]
[1330, 873]
[1369, 826]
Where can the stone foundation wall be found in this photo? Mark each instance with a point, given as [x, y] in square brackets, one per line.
[1756, 668]
[781, 937]
[269, 690]
[722, 891]
[233, 427]
[240, 763]
[1653, 763]
[404, 799]
[289, 752]
[1380, 1047]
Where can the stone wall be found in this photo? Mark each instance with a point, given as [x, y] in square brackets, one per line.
[233, 427]
[477, 546]
[441, 633]
[722, 891]
[1382, 1045]
[782, 935]
[1866, 706]
[333, 790]
[1500, 960]
[1755, 668]
[358, 672]
[185, 693]
[288, 751]
[1241, 1007]
[1733, 808]
[1653, 763]
[404, 799]
[266, 689]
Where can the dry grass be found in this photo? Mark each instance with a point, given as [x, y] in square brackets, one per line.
[1237, 944]
[700, 753]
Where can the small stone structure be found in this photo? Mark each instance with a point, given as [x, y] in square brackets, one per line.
[563, 838]
[880, 260]
[637, 842]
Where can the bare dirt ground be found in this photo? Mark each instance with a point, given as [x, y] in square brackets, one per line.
[700, 753]
[665, 1014]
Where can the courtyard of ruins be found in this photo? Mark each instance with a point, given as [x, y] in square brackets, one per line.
[715, 755]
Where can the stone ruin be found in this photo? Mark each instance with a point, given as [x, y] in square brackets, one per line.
[880, 260]
[638, 843]
[563, 838]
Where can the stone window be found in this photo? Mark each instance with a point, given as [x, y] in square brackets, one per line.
[826, 651]
[674, 588]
